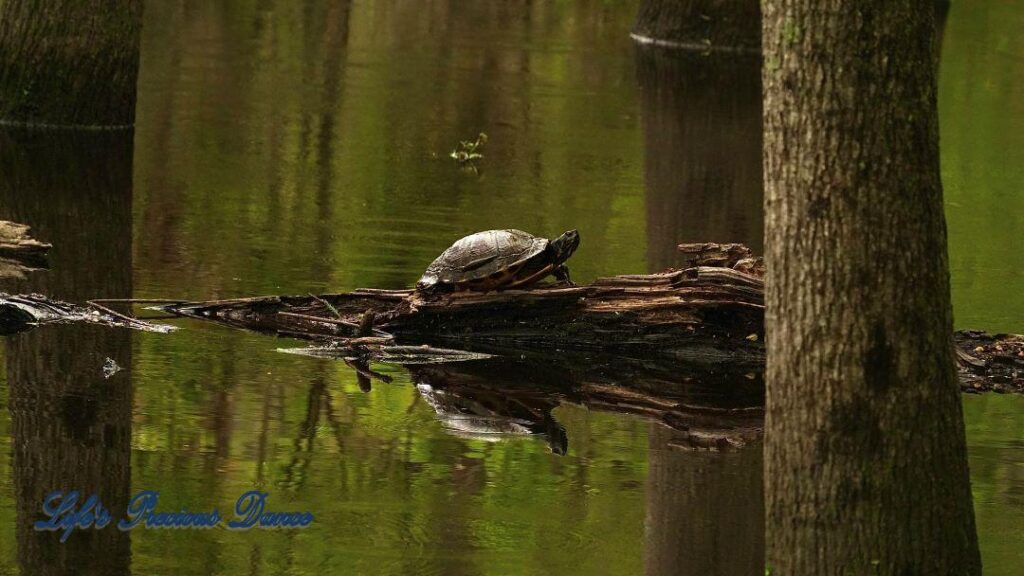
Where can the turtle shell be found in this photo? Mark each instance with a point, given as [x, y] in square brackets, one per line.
[484, 260]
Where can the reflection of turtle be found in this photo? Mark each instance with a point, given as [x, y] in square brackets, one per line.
[491, 421]
[499, 259]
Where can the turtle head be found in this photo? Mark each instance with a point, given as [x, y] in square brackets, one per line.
[566, 244]
[427, 284]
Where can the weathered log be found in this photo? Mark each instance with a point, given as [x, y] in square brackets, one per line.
[710, 312]
[22, 312]
[19, 252]
[990, 362]
[703, 314]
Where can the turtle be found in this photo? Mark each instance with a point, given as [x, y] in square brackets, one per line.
[499, 259]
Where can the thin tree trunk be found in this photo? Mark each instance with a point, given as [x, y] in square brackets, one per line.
[69, 63]
[865, 457]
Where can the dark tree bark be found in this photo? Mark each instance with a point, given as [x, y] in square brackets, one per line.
[865, 458]
[706, 25]
[69, 63]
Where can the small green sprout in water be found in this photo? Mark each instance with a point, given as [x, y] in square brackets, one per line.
[466, 151]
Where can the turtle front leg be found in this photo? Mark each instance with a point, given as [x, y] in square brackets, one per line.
[562, 274]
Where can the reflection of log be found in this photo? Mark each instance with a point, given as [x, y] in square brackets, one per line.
[706, 409]
[19, 252]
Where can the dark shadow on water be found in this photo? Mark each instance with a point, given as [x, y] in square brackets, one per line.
[702, 148]
[704, 492]
[703, 180]
[705, 510]
[71, 426]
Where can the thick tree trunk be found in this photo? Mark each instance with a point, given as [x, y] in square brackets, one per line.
[69, 63]
[705, 25]
[865, 459]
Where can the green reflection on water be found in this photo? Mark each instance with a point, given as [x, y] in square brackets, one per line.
[286, 148]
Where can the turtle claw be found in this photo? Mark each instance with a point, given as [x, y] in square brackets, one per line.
[562, 274]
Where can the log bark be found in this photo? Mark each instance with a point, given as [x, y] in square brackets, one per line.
[69, 63]
[865, 456]
[701, 314]
[19, 252]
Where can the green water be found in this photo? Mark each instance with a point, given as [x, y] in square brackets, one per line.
[286, 147]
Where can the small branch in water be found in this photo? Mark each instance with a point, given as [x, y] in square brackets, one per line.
[327, 305]
[311, 318]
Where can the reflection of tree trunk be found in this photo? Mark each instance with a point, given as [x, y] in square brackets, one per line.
[865, 458]
[69, 62]
[333, 46]
[71, 427]
[704, 510]
[702, 167]
[733, 25]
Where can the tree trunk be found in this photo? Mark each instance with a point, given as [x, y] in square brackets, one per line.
[69, 63]
[706, 25]
[865, 458]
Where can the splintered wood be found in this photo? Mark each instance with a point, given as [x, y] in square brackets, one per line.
[19, 252]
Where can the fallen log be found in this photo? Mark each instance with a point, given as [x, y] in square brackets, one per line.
[710, 313]
[19, 252]
[987, 362]
[704, 314]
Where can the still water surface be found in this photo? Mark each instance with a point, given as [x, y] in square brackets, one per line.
[289, 147]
